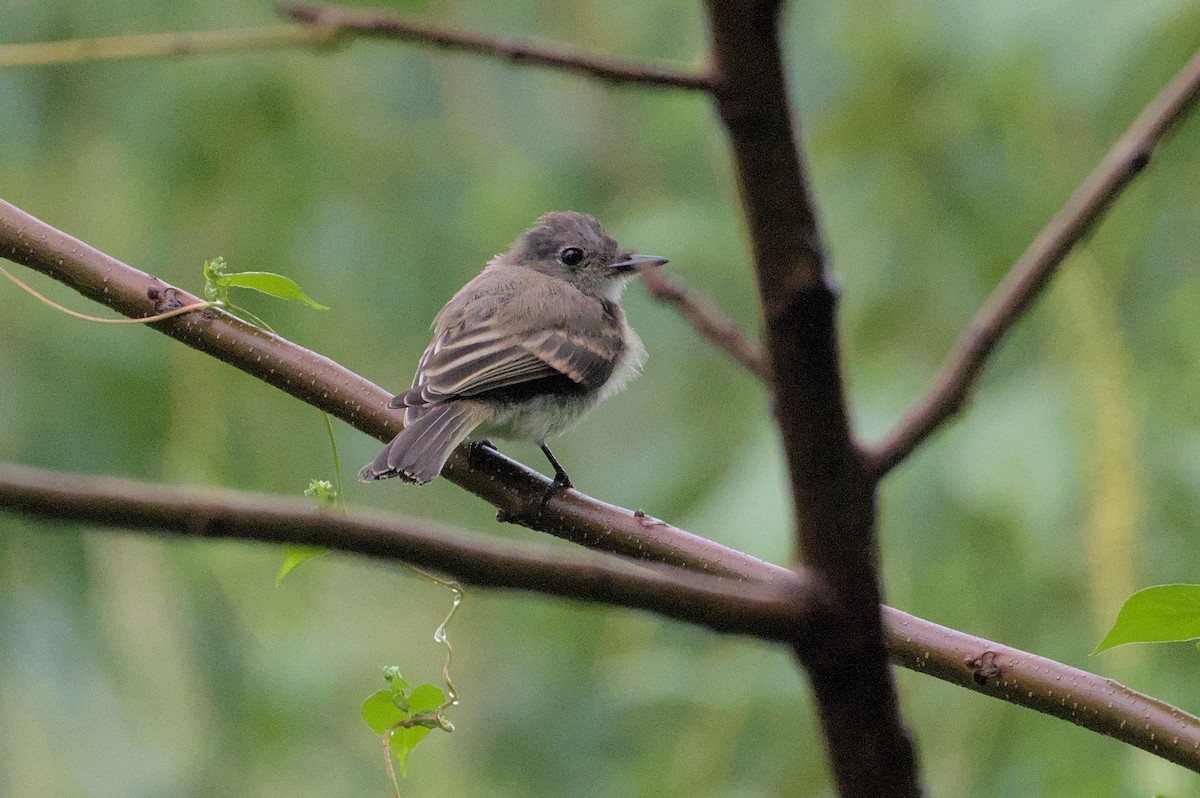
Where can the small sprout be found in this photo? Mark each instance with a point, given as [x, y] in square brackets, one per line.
[392, 674]
[403, 715]
[217, 283]
[215, 290]
[323, 491]
[327, 498]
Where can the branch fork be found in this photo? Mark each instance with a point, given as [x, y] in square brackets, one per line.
[835, 595]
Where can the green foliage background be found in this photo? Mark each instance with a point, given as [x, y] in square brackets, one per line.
[942, 135]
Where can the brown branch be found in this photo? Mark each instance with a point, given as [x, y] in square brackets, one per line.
[382, 24]
[1085, 699]
[913, 642]
[514, 489]
[833, 495]
[1036, 266]
[710, 322]
[778, 611]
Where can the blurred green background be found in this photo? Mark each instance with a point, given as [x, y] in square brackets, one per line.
[941, 137]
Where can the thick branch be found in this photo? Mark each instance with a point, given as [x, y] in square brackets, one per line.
[385, 25]
[1037, 265]
[833, 498]
[710, 322]
[914, 643]
[514, 489]
[1083, 698]
[779, 611]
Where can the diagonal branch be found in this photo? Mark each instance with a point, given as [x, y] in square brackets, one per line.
[709, 321]
[1036, 266]
[1086, 700]
[778, 611]
[512, 488]
[833, 496]
[384, 25]
[1093, 702]
[781, 610]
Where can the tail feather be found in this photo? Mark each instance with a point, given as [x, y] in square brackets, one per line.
[418, 453]
[426, 444]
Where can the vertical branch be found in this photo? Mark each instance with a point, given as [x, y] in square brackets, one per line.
[833, 493]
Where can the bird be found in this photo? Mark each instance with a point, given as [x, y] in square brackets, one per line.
[523, 351]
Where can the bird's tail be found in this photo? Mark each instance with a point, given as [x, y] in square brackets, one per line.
[418, 453]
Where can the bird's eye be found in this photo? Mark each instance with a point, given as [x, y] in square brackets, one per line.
[571, 256]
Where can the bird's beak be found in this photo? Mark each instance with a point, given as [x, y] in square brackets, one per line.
[634, 263]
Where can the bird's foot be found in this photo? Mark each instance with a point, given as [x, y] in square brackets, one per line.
[475, 447]
[530, 512]
[560, 482]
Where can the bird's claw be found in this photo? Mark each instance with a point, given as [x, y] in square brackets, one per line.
[560, 482]
[473, 449]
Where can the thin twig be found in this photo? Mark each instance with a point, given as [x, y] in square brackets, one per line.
[385, 25]
[1036, 266]
[710, 322]
[163, 45]
[771, 611]
[327, 25]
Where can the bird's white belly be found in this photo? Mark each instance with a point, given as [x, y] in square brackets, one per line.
[538, 418]
[541, 417]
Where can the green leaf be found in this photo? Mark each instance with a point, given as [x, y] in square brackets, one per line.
[1156, 615]
[403, 741]
[425, 698]
[293, 555]
[380, 712]
[275, 285]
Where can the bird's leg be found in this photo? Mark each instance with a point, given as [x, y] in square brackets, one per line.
[561, 480]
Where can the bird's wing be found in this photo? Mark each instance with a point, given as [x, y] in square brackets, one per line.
[471, 363]
[588, 359]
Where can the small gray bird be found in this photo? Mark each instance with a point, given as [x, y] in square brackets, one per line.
[523, 350]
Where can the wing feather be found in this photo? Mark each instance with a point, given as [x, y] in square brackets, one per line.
[488, 359]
